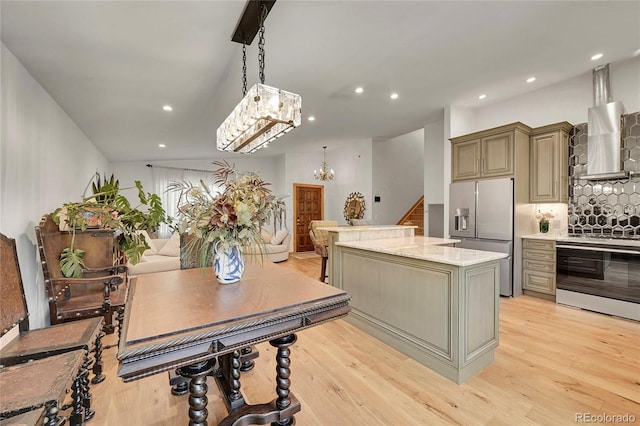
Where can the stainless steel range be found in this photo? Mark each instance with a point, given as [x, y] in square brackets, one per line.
[599, 273]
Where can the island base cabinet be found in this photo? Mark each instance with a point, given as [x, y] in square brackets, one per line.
[443, 316]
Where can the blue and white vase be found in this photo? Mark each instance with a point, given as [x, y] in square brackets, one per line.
[228, 265]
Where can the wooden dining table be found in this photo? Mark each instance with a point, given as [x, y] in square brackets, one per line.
[186, 321]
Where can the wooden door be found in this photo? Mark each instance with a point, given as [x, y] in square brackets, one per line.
[308, 205]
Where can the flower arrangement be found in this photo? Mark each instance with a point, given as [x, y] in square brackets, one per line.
[543, 220]
[231, 218]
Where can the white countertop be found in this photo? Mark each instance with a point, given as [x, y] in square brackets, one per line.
[365, 228]
[426, 248]
[591, 240]
[551, 237]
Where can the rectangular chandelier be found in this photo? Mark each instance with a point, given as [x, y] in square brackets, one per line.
[264, 114]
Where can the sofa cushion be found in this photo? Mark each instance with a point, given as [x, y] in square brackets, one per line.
[171, 247]
[278, 237]
[154, 263]
[152, 248]
[266, 236]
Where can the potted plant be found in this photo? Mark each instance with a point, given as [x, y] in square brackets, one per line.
[227, 224]
[109, 209]
[543, 219]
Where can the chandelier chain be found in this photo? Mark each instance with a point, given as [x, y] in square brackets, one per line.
[244, 69]
[263, 16]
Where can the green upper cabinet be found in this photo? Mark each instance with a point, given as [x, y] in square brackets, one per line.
[549, 163]
[465, 159]
[487, 154]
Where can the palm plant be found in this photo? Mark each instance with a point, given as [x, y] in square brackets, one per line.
[107, 208]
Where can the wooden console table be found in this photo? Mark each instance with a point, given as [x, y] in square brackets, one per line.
[186, 320]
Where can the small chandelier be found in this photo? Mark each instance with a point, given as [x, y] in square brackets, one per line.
[264, 113]
[324, 173]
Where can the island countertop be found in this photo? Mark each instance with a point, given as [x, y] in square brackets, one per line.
[365, 228]
[425, 248]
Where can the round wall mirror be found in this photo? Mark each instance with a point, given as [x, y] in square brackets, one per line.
[354, 207]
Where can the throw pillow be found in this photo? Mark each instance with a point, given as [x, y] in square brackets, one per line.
[152, 248]
[266, 236]
[171, 247]
[279, 237]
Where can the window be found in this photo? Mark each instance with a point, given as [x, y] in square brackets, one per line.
[162, 178]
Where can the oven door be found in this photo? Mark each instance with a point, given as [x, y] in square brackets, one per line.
[599, 271]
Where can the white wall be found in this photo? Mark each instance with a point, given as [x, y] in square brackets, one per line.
[128, 172]
[565, 101]
[434, 143]
[352, 163]
[398, 176]
[457, 121]
[45, 161]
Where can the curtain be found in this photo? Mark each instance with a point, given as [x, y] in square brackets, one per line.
[162, 178]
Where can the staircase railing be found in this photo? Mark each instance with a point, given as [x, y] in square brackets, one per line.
[416, 211]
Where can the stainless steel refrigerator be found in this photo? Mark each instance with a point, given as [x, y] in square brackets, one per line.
[481, 216]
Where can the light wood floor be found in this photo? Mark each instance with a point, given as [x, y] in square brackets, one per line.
[552, 363]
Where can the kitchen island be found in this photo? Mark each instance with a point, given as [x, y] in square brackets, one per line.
[436, 303]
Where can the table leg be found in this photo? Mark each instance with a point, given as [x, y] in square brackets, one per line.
[247, 361]
[283, 370]
[278, 412]
[98, 376]
[198, 390]
[86, 389]
[75, 418]
[51, 416]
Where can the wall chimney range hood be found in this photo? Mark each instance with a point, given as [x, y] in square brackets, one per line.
[604, 143]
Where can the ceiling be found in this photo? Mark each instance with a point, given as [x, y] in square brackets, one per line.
[111, 66]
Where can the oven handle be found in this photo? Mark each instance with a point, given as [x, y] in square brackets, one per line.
[599, 249]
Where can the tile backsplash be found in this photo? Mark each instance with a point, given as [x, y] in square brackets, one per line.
[609, 207]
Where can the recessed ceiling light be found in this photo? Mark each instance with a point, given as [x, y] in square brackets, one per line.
[482, 97]
[161, 145]
[311, 118]
[167, 108]
[359, 90]
[596, 56]
[531, 79]
[394, 95]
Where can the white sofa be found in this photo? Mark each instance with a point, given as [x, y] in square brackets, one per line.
[277, 245]
[164, 255]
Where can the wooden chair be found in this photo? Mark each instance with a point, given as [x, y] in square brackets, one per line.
[44, 383]
[320, 241]
[99, 292]
[30, 345]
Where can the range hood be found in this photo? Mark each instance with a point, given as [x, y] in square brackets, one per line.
[604, 143]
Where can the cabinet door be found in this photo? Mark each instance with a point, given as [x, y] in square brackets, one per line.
[563, 167]
[465, 158]
[497, 155]
[539, 281]
[544, 181]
